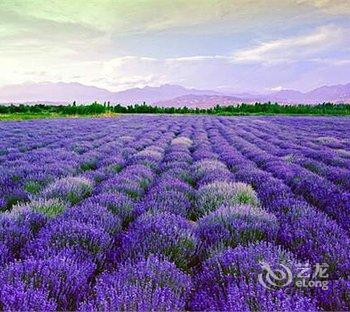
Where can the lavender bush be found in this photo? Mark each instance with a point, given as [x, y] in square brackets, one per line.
[148, 285]
[213, 195]
[71, 189]
[63, 278]
[163, 234]
[231, 279]
[231, 226]
[149, 213]
[49, 207]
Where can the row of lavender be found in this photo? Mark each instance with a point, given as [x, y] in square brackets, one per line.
[173, 213]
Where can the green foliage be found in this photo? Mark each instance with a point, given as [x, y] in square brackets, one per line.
[89, 165]
[41, 110]
[116, 167]
[33, 187]
[49, 207]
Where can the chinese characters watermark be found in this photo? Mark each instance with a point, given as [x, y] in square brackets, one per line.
[302, 276]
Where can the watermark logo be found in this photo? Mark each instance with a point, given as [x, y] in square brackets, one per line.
[277, 277]
[303, 276]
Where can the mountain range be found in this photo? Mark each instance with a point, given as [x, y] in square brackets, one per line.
[165, 95]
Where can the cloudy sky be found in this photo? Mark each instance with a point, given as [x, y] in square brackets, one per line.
[237, 45]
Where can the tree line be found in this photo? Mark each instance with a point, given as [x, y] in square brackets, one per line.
[240, 109]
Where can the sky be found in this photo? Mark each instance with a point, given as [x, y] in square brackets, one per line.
[228, 45]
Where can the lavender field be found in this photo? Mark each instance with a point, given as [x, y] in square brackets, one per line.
[175, 213]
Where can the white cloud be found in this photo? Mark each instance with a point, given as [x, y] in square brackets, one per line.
[125, 16]
[198, 58]
[278, 88]
[206, 72]
[341, 62]
[293, 48]
[334, 7]
[92, 42]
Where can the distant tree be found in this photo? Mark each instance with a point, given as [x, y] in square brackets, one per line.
[241, 109]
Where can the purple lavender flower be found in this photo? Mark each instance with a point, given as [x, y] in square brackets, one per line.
[149, 157]
[3, 204]
[204, 153]
[171, 165]
[147, 166]
[178, 173]
[122, 185]
[139, 173]
[26, 217]
[241, 267]
[150, 284]
[182, 140]
[71, 189]
[5, 254]
[205, 166]
[216, 176]
[165, 184]
[176, 156]
[96, 216]
[18, 297]
[336, 297]
[64, 278]
[88, 161]
[158, 201]
[12, 194]
[304, 229]
[49, 207]
[72, 234]
[119, 204]
[243, 262]
[16, 230]
[211, 196]
[132, 181]
[248, 297]
[162, 234]
[113, 164]
[230, 226]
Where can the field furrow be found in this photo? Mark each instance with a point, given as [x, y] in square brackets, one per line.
[191, 213]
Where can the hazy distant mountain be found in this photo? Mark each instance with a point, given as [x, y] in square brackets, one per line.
[157, 94]
[286, 96]
[53, 92]
[203, 101]
[69, 92]
[336, 93]
[165, 95]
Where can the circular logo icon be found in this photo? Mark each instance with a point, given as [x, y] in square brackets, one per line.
[277, 277]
